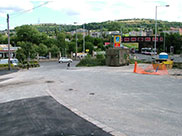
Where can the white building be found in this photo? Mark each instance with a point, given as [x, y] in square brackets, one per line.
[4, 51]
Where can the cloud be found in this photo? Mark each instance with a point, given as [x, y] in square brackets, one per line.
[101, 10]
[11, 6]
[70, 12]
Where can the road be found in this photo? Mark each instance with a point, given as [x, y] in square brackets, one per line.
[133, 104]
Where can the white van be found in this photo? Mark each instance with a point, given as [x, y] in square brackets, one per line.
[148, 51]
[12, 61]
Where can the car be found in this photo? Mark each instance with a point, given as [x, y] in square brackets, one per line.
[14, 61]
[65, 60]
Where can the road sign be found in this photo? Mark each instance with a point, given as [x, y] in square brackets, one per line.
[87, 50]
[116, 44]
[117, 40]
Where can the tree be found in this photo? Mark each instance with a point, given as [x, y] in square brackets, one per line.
[88, 38]
[27, 33]
[54, 50]
[49, 42]
[61, 42]
[89, 46]
[3, 39]
[174, 40]
[20, 55]
[71, 47]
[42, 49]
[27, 49]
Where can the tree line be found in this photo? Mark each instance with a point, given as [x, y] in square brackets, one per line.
[33, 42]
[124, 25]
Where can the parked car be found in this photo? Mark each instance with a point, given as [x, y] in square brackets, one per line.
[65, 60]
[12, 61]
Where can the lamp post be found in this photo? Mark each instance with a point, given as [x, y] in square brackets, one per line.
[156, 25]
[76, 41]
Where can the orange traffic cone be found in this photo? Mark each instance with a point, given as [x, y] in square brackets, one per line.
[135, 67]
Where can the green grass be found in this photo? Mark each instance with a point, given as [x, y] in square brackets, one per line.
[131, 45]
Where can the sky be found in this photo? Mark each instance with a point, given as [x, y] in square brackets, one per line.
[85, 11]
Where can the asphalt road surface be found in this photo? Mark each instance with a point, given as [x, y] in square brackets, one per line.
[43, 116]
[133, 104]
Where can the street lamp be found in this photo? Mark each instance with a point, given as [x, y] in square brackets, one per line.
[156, 24]
[76, 41]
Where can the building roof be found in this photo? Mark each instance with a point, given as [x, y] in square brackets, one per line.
[4, 45]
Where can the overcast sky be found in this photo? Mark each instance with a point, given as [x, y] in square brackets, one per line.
[85, 11]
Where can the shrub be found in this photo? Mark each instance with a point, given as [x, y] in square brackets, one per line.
[5, 66]
[132, 61]
[88, 61]
[100, 56]
[31, 64]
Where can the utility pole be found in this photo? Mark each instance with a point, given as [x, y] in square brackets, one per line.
[155, 29]
[76, 41]
[84, 38]
[9, 65]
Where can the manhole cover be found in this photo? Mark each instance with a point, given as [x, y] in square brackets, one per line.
[49, 81]
[92, 93]
[70, 89]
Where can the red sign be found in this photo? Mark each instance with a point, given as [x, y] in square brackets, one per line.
[127, 39]
[153, 39]
[161, 39]
[140, 39]
[147, 39]
[133, 39]
[107, 43]
[116, 44]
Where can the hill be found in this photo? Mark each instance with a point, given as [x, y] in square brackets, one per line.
[126, 25]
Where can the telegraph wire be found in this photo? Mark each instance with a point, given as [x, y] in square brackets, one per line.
[25, 11]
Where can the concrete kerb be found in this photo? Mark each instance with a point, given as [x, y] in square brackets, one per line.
[86, 117]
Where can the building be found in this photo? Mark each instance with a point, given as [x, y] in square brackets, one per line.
[80, 31]
[174, 30]
[4, 51]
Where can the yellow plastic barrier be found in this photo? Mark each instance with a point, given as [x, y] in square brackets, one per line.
[168, 63]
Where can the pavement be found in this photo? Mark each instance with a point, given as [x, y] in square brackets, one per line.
[114, 99]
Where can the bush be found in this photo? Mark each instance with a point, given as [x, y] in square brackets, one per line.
[100, 56]
[132, 61]
[88, 61]
[30, 65]
[5, 66]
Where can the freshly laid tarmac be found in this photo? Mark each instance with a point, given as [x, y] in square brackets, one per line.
[43, 116]
[112, 98]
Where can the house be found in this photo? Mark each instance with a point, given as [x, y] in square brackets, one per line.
[174, 30]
